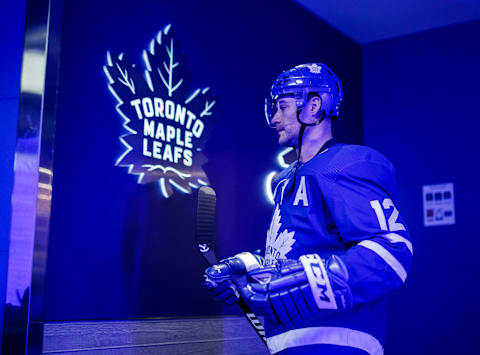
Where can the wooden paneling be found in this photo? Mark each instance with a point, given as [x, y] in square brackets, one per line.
[214, 335]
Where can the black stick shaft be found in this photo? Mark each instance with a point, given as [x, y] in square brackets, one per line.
[204, 232]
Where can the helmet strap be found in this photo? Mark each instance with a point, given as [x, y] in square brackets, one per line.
[299, 145]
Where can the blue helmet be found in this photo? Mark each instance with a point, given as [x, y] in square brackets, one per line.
[301, 80]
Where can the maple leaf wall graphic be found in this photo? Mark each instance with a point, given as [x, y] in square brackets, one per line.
[166, 123]
[278, 245]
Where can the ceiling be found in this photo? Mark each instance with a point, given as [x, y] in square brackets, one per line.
[367, 21]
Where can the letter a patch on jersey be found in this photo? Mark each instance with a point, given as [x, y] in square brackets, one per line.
[301, 194]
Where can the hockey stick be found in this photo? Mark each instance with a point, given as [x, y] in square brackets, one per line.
[204, 232]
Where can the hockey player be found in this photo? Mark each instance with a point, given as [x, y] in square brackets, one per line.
[336, 245]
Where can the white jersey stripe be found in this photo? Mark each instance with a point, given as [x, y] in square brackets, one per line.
[325, 335]
[397, 238]
[387, 257]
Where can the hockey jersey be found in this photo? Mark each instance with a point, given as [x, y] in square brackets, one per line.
[344, 202]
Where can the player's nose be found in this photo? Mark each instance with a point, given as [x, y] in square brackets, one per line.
[275, 119]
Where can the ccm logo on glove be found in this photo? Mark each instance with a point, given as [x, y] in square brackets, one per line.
[318, 280]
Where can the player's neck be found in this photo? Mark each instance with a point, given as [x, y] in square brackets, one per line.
[313, 140]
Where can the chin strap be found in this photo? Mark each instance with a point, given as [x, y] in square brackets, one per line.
[299, 145]
[297, 164]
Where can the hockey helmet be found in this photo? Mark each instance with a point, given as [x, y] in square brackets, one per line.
[301, 80]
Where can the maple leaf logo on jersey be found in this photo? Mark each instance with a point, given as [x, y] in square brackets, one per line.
[166, 123]
[278, 245]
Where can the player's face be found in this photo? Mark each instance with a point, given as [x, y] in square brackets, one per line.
[285, 122]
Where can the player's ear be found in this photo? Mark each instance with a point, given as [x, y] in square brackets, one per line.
[315, 105]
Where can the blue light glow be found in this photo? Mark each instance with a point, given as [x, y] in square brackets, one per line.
[166, 29]
[129, 148]
[281, 158]
[178, 187]
[149, 69]
[151, 167]
[269, 178]
[201, 182]
[192, 96]
[146, 61]
[268, 186]
[163, 188]
[152, 47]
[192, 185]
[109, 60]
[126, 120]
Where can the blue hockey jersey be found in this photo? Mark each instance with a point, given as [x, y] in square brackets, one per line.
[344, 202]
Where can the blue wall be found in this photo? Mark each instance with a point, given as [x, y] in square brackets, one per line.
[421, 109]
[12, 19]
[118, 249]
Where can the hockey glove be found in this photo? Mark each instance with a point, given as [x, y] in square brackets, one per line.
[292, 290]
[222, 279]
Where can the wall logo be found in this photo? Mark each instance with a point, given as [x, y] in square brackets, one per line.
[166, 122]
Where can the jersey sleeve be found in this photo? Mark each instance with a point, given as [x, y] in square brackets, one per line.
[362, 200]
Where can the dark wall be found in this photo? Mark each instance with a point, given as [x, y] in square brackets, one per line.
[421, 110]
[118, 249]
[12, 19]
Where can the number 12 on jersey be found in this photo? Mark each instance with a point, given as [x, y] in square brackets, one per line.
[393, 225]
